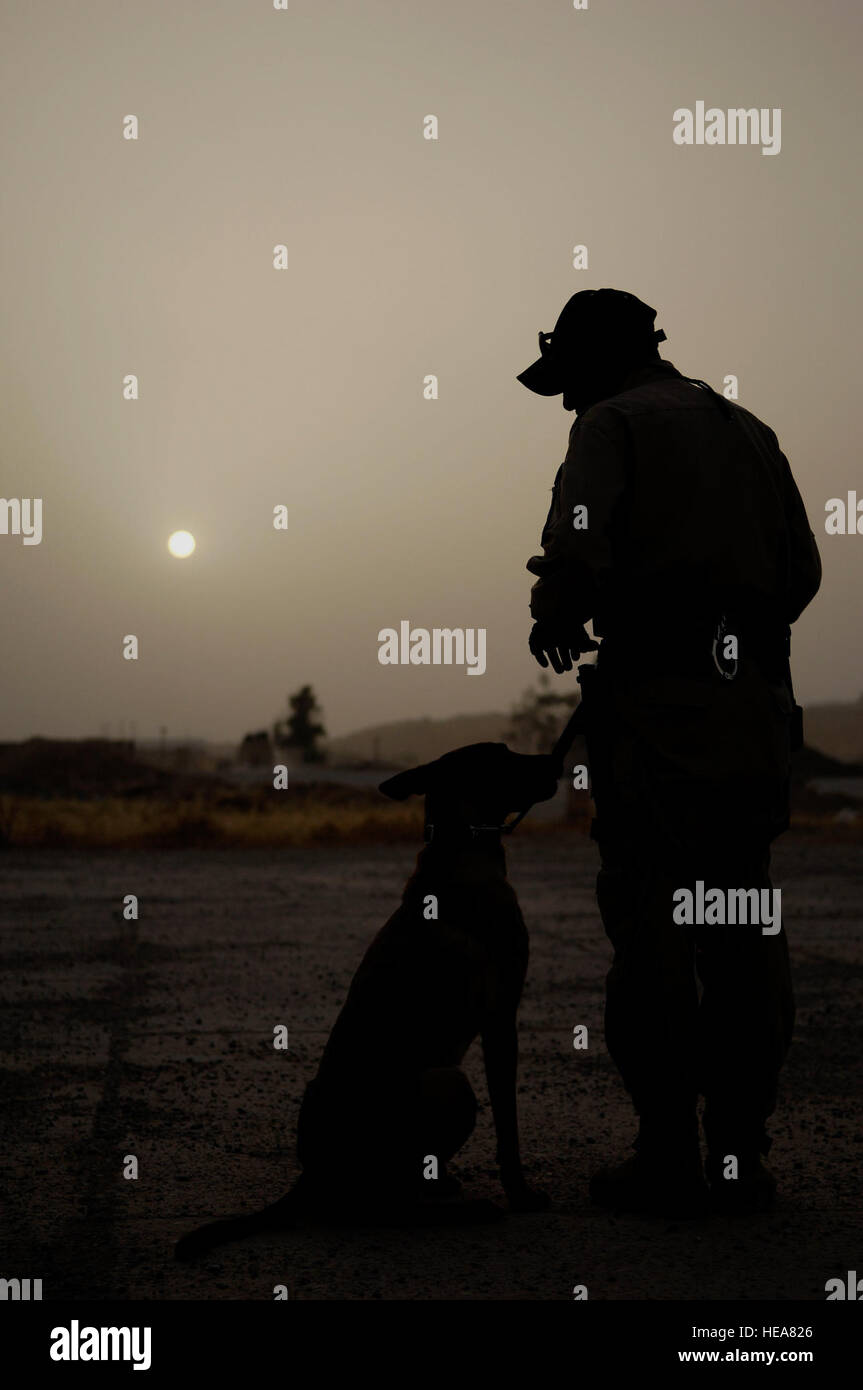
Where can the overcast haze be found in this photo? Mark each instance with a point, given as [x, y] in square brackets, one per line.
[406, 257]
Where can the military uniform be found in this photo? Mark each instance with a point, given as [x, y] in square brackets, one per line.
[695, 532]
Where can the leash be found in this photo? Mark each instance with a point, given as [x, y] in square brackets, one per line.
[574, 726]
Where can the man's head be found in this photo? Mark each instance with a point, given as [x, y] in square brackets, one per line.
[599, 338]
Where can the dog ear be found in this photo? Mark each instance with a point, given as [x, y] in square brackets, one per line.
[414, 782]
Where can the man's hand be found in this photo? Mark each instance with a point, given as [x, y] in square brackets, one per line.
[559, 647]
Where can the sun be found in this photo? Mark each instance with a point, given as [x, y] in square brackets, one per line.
[181, 544]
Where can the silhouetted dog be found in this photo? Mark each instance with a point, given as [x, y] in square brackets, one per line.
[390, 1104]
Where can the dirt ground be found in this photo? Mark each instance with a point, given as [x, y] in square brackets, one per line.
[154, 1039]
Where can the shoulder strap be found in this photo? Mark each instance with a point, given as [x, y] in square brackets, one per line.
[721, 401]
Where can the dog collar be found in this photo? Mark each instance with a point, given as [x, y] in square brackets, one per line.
[476, 833]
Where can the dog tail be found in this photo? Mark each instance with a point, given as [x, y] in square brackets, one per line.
[282, 1215]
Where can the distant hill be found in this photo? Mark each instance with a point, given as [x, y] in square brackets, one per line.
[410, 741]
[836, 730]
[834, 740]
[810, 763]
[93, 767]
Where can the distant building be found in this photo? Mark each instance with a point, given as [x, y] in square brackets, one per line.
[256, 750]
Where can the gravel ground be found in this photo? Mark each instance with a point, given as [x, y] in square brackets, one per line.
[154, 1039]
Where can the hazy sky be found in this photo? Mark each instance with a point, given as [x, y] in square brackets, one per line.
[407, 256]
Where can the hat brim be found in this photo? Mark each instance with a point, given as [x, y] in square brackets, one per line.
[542, 377]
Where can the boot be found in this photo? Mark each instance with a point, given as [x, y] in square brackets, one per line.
[744, 1138]
[753, 1189]
[664, 1178]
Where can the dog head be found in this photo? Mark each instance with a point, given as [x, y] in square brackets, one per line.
[478, 785]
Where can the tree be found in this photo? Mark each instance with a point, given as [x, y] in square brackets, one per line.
[300, 729]
[539, 716]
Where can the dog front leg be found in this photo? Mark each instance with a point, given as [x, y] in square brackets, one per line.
[500, 1050]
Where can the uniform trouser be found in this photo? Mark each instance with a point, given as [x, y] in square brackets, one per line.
[689, 1009]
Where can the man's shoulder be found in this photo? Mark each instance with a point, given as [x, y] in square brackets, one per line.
[661, 390]
[754, 422]
[655, 387]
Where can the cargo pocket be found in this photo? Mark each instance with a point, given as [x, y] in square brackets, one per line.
[723, 731]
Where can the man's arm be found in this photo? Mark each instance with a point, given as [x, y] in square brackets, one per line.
[576, 540]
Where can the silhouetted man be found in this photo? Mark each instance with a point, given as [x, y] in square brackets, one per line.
[676, 527]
